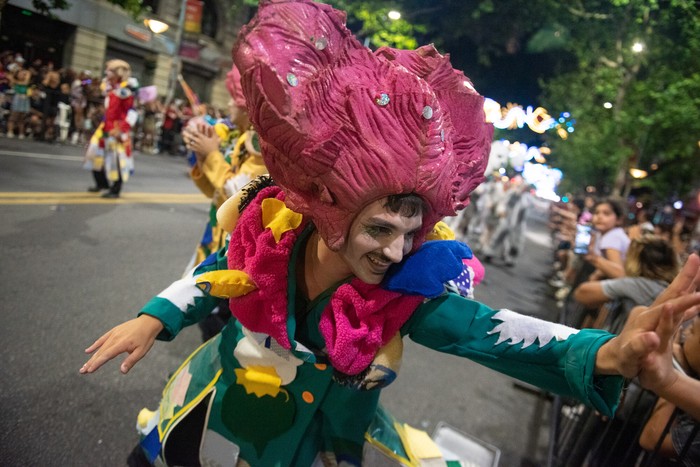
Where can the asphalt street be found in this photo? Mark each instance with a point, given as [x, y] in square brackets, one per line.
[72, 265]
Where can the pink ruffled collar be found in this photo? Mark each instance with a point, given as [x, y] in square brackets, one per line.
[358, 320]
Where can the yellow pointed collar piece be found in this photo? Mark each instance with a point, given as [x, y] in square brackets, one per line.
[278, 217]
[225, 283]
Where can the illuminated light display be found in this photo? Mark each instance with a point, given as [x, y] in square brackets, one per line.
[537, 119]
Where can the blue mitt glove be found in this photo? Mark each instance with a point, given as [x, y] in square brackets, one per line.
[425, 271]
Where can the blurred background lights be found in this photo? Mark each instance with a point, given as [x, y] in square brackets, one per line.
[394, 15]
[678, 204]
[607, 105]
[638, 173]
[637, 47]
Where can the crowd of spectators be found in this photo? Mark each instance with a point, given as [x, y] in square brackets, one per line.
[608, 261]
[45, 103]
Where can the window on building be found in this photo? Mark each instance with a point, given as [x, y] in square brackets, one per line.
[152, 4]
[210, 23]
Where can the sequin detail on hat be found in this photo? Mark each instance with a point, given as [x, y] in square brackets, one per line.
[292, 79]
[427, 112]
[321, 43]
[382, 99]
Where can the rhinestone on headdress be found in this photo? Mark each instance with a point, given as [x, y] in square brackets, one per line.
[321, 43]
[427, 112]
[292, 79]
[382, 99]
[442, 135]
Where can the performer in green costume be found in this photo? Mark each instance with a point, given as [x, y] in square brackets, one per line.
[331, 262]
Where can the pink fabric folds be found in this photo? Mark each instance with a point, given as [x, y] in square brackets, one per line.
[359, 320]
[253, 249]
[233, 84]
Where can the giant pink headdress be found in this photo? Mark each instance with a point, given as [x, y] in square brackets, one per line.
[233, 84]
[341, 126]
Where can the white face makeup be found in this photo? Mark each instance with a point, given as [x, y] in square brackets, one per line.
[377, 239]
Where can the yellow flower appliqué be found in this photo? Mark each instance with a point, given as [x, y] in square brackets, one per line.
[259, 380]
[278, 217]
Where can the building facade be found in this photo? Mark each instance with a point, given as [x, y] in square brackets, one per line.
[91, 32]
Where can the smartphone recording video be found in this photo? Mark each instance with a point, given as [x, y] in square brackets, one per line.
[583, 239]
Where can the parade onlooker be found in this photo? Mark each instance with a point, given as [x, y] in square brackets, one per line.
[684, 425]
[149, 139]
[610, 242]
[650, 265]
[20, 106]
[53, 94]
[79, 103]
[109, 153]
[171, 126]
[642, 225]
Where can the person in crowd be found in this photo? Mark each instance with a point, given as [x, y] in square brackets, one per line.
[151, 111]
[328, 266]
[682, 438]
[109, 154]
[171, 126]
[227, 158]
[53, 94]
[563, 218]
[78, 104]
[20, 106]
[650, 265]
[642, 225]
[610, 242]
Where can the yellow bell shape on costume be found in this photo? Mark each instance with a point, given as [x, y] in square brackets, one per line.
[278, 217]
[226, 283]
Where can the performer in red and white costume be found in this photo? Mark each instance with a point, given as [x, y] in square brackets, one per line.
[109, 153]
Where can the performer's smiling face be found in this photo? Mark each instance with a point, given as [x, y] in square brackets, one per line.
[378, 238]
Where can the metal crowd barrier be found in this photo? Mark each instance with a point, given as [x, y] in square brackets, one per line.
[579, 436]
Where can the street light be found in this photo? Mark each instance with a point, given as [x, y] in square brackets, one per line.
[638, 173]
[156, 26]
[394, 15]
[638, 47]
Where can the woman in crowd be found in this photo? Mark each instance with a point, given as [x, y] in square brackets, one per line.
[328, 266]
[610, 242]
[650, 265]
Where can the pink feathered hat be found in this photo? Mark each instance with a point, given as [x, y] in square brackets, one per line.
[233, 84]
[341, 126]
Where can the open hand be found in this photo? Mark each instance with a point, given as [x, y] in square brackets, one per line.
[644, 346]
[135, 337]
[203, 140]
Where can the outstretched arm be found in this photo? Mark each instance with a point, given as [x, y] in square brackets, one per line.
[134, 337]
[644, 347]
